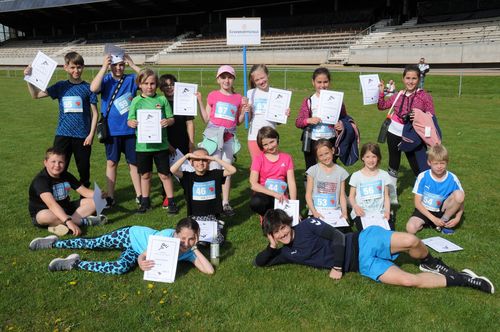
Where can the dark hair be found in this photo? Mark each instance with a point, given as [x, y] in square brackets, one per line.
[254, 69]
[75, 58]
[144, 74]
[413, 68]
[166, 77]
[321, 71]
[267, 132]
[54, 151]
[273, 220]
[323, 142]
[188, 223]
[373, 148]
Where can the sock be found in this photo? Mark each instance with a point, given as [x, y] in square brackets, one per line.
[454, 279]
[426, 258]
[171, 201]
[84, 222]
[445, 219]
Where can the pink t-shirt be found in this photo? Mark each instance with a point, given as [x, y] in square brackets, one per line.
[224, 109]
[272, 170]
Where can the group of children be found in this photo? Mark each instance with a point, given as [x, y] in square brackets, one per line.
[438, 193]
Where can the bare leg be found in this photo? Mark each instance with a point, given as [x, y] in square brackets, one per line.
[111, 168]
[146, 184]
[409, 243]
[453, 203]
[87, 207]
[395, 276]
[47, 218]
[226, 189]
[414, 225]
[167, 184]
[136, 179]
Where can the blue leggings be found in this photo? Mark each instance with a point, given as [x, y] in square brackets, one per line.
[117, 239]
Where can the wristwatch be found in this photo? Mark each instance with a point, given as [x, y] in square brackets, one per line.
[66, 221]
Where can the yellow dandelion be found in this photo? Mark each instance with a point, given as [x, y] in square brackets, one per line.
[72, 283]
[150, 286]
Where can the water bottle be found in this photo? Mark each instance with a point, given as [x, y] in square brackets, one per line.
[214, 253]
[307, 139]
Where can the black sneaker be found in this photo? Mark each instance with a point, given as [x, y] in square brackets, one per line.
[172, 209]
[227, 210]
[110, 202]
[138, 200]
[435, 265]
[478, 282]
[143, 208]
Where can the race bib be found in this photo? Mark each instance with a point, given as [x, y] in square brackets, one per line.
[225, 111]
[72, 104]
[324, 201]
[277, 186]
[322, 131]
[122, 103]
[60, 191]
[371, 190]
[432, 202]
[204, 191]
[259, 106]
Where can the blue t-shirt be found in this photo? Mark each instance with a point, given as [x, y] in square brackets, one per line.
[433, 191]
[118, 113]
[139, 236]
[74, 108]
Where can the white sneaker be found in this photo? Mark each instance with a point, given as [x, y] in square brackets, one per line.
[393, 193]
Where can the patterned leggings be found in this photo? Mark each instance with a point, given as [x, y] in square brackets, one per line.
[117, 239]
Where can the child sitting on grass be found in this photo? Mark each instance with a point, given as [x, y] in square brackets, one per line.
[49, 202]
[439, 197]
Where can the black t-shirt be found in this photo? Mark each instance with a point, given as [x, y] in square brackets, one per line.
[177, 133]
[203, 192]
[59, 187]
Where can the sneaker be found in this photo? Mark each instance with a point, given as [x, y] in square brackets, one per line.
[478, 282]
[138, 200]
[43, 242]
[393, 193]
[59, 230]
[447, 231]
[97, 220]
[435, 265]
[110, 202]
[173, 209]
[143, 208]
[61, 264]
[227, 210]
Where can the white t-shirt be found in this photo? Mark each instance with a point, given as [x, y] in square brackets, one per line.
[258, 99]
[369, 191]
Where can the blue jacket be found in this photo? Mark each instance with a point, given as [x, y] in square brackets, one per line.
[347, 141]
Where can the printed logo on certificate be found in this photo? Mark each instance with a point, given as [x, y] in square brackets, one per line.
[185, 102]
[208, 231]
[369, 86]
[42, 69]
[149, 127]
[278, 102]
[164, 251]
[330, 105]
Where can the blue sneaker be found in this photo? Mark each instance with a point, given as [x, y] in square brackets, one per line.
[447, 231]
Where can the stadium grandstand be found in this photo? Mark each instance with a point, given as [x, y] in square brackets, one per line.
[377, 32]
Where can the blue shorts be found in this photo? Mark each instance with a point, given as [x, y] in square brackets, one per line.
[121, 144]
[375, 252]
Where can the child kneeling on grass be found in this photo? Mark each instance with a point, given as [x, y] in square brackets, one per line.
[133, 241]
[49, 202]
[203, 187]
[439, 197]
[371, 253]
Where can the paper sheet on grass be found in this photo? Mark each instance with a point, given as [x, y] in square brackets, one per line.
[441, 245]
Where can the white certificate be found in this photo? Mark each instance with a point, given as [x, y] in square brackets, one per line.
[369, 86]
[99, 202]
[42, 69]
[164, 251]
[441, 245]
[208, 231]
[332, 217]
[149, 127]
[330, 105]
[374, 219]
[291, 207]
[185, 102]
[277, 104]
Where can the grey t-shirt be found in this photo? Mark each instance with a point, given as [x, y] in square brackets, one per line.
[327, 184]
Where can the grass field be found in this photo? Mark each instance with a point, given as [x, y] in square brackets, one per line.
[239, 296]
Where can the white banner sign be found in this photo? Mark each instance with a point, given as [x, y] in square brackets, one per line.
[243, 31]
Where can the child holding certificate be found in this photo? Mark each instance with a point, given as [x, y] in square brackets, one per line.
[133, 242]
[258, 97]
[224, 111]
[325, 189]
[271, 174]
[148, 100]
[343, 135]
[369, 194]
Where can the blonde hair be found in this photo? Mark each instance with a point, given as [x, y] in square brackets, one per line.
[437, 153]
[144, 74]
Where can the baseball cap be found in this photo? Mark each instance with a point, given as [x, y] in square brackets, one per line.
[225, 69]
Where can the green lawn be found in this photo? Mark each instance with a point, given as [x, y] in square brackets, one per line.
[239, 296]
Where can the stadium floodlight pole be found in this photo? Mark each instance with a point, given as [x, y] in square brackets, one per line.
[245, 80]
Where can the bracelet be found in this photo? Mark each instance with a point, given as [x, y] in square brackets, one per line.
[66, 221]
[339, 269]
[195, 247]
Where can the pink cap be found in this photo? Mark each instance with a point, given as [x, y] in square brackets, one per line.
[225, 69]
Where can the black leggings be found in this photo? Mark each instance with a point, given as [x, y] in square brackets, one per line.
[395, 155]
[260, 203]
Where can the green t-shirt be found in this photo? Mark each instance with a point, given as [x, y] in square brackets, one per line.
[151, 103]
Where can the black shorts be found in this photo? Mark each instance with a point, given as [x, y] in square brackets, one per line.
[427, 222]
[68, 206]
[161, 159]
